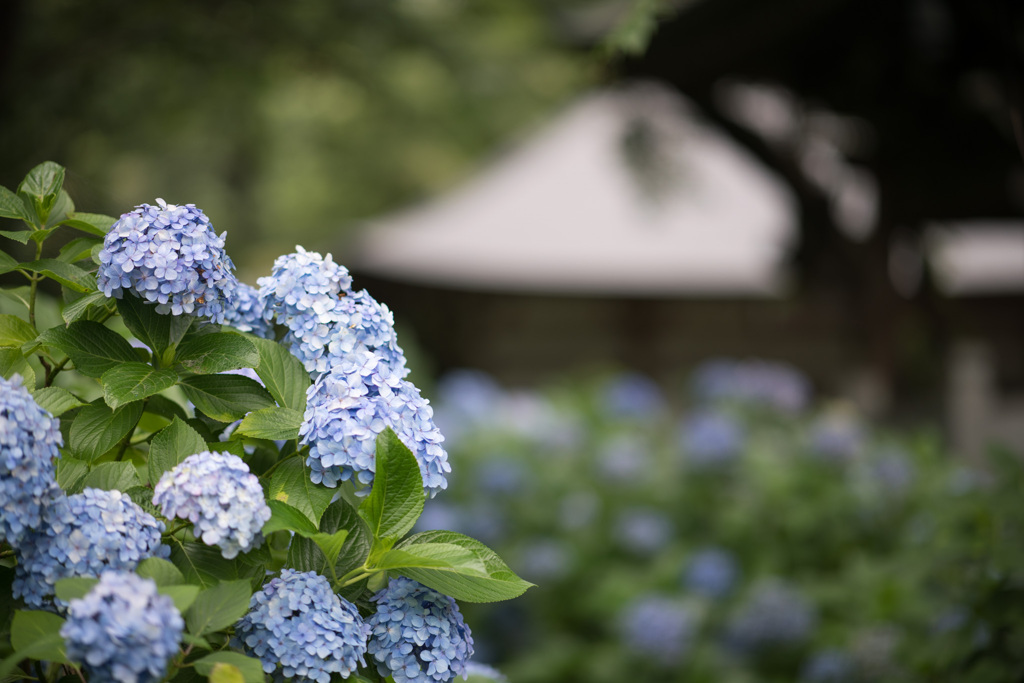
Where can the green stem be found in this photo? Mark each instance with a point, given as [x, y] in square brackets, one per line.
[176, 529]
[357, 579]
[32, 288]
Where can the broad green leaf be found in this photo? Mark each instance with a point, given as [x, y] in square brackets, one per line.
[143, 497]
[225, 398]
[171, 446]
[41, 186]
[46, 648]
[30, 627]
[61, 209]
[291, 484]
[80, 307]
[164, 573]
[22, 236]
[70, 473]
[165, 407]
[7, 262]
[222, 672]
[78, 249]
[39, 236]
[69, 275]
[271, 423]
[209, 354]
[197, 641]
[218, 607]
[158, 331]
[330, 544]
[14, 331]
[184, 595]
[12, 362]
[11, 206]
[93, 348]
[498, 583]
[441, 556]
[112, 476]
[92, 223]
[306, 555]
[283, 374]
[97, 428]
[204, 565]
[250, 669]
[135, 381]
[396, 500]
[284, 516]
[74, 587]
[55, 400]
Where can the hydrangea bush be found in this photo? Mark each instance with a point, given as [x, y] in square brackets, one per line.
[201, 478]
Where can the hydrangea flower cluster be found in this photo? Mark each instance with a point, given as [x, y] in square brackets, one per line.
[476, 671]
[222, 499]
[168, 255]
[711, 439]
[836, 436]
[245, 311]
[350, 405]
[775, 385]
[643, 531]
[123, 630]
[29, 439]
[774, 615]
[296, 621]
[658, 627]
[418, 635]
[633, 395]
[711, 572]
[86, 534]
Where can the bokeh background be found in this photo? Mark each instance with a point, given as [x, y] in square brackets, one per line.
[571, 196]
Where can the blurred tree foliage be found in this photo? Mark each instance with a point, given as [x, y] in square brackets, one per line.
[286, 121]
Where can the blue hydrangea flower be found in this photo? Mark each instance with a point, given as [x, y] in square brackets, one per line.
[222, 499]
[244, 311]
[123, 630]
[86, 534]
[482, 673]
[711, 439]
[643, 531]
[418, 635]
[623, 459]
[29, 439]
[168, 255]
[545, 559]
[772, 385]
[836, 436]
[350, 405]
[658, 627]
[466, 400]
[775, 614]
[301, 630]
[828, 666]
[632, 395]
[711, 572]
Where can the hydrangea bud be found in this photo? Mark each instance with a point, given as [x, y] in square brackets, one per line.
[222, 499]
[299, 628]
[168, 255]
[29, 439]
[123, 630]
[418, 635]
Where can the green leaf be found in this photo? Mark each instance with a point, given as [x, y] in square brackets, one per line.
[225, 398]
[78, 249]
[46, 648]
[184, 595]
[14, 331]
[135, 381]
[7, 263]
[112, 476]
[158, 331]
[219, 607]
[12, 362]
[284, 516]
[498, 583]
[283, 374]
[71, 276]
[93, 349]
[74, 587]
[143, 497]
[396, 500]
[306, 555]
[92, 223]
[291, 484]
[165, 407]
[204, 565]
[162, 572]
[441, 556]
[70, 473]
[271, 423]
[41, 186]
[80, 307]
[197, 641]
[55, 400]
[171, 446]
[30, 627]
[22, 236]
[61, 209]
[11, 206]
[250, 669]
[209, 354]
[97, 428]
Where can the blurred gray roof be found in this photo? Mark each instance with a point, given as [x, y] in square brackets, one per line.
[628, 192]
